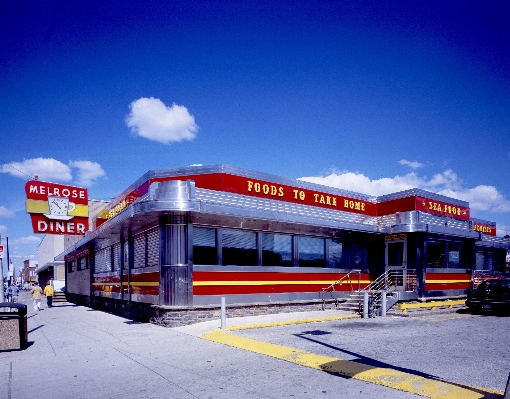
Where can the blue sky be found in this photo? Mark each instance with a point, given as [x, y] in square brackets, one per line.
[374, 97]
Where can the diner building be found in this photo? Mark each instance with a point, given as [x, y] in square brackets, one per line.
[183, 238]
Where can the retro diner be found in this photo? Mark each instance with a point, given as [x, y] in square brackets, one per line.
[184, 238]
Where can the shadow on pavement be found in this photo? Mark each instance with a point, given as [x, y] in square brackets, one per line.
[365, 362]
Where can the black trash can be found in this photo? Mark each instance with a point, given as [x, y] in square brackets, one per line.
[13, 326]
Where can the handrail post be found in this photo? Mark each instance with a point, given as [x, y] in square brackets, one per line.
[223, 313]
[365, 305]
[383, 304]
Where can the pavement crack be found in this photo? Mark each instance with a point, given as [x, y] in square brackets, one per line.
[49, 342]
[9, 389]
[155, 372]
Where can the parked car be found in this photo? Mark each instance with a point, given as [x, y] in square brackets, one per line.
[492, 294]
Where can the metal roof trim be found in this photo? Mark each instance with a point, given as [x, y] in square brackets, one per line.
[422, 193]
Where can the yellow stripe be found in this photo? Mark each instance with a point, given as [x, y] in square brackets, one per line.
[292, 322]
[110, 284]
[80, 210]
[387, 377]
[446, 281]
[142, 284]
[35, 206]
[265, 282]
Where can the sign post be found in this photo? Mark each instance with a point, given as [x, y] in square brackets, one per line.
[2, 297]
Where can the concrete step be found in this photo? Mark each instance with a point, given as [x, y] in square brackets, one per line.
[59, 297]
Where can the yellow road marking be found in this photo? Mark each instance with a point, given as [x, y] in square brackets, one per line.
[399, 380]
[292, 322]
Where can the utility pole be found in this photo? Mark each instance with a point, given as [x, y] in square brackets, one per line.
[2, 296]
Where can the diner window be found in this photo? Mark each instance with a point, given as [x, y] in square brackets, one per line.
[276, 249]
[126, 255]
[311, 252]
[360, 256]
[485, 261]
[204, 246]
[239, 248]
[116, 256]
[436, 255]
[71, 266]
[338, 255]
[82, 263]
[454, 256]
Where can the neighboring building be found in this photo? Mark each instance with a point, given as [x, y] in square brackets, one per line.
[184, 238]
[53, 244]
[51, 270]
[28, 274]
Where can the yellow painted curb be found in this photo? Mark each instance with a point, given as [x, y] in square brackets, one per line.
[292, 322]
[399, 380]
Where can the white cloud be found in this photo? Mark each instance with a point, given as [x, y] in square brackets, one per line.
[6, 213]
[3, 230]
[44, 168]
[88, 172]
[30, 240]
[49, 169]
[483, 198]
[152, 119]
[480, 198]
[411, 164]
[360, 183]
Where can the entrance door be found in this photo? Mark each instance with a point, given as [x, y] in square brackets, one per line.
[396, 263]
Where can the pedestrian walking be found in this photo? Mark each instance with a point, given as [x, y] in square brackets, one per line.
[8, 294]
[36, 293]
[48, 291]
[15, 293]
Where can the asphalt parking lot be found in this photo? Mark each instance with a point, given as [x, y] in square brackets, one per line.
[77, 352]
[459, 347]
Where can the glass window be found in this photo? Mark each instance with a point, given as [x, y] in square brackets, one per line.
[311, 252]
[70, 266]
[454, 256]
[338, 254]
[126, 255]
[239, 247]
[82, 263]
[485, 261]
[480, 261]
[436, 255]
[204, 246]
[360, 256]
[276, 249]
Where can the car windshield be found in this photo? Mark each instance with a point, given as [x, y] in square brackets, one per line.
[494, 286]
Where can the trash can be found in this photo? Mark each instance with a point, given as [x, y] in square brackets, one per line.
[13, 326]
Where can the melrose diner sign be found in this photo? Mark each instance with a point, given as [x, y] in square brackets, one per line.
[57, 209]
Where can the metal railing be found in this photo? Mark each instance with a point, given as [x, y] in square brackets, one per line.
[344, 280]
[389, 282]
